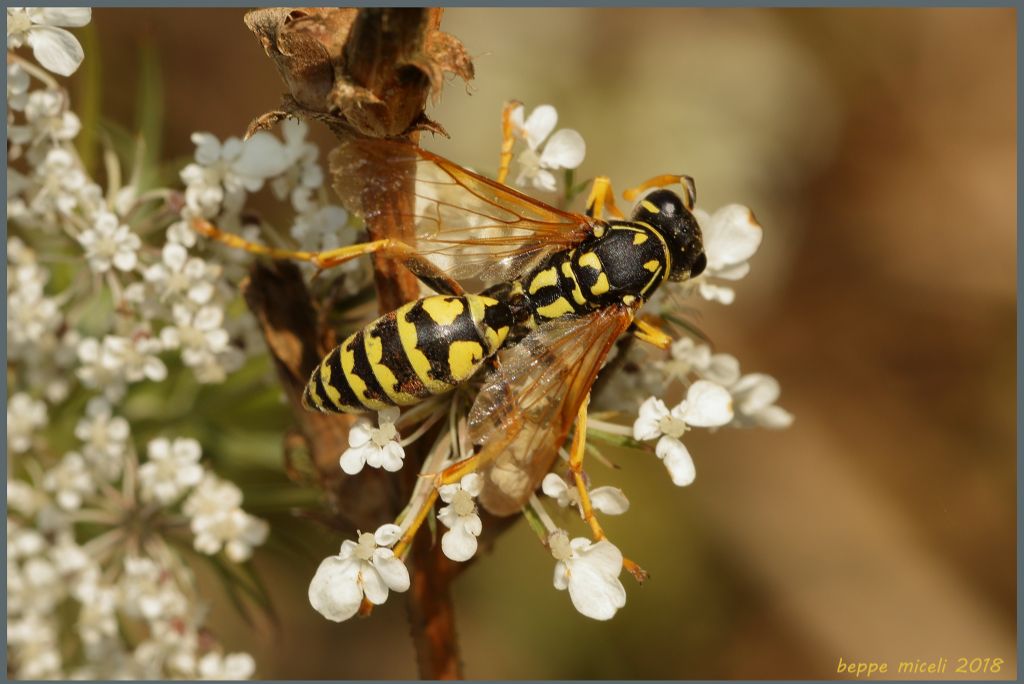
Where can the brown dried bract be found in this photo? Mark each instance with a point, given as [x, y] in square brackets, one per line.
[276, 293]
[368, 70]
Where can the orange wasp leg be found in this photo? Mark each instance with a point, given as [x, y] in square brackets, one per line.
[663, 181]
[507, 138]
[576, 453]
[395, 249]
[417, 522]
[449, 475]
[601, 196]
[207, 229]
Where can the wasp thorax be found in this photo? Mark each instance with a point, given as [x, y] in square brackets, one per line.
[665, 211]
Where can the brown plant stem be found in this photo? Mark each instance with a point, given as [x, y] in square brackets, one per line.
[431, 612]
[379, 42]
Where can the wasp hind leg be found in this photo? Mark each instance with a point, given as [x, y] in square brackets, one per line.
[400, 251]
[576, 454]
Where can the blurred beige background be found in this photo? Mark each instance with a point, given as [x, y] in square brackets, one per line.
[877, 148]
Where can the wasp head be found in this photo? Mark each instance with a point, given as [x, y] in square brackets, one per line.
[667, 213]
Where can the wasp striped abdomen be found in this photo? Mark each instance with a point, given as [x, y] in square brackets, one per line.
[423, 348]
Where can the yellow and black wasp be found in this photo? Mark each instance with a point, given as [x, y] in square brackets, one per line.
[556, 290]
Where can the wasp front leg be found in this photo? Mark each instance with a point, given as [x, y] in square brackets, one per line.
[400, 251]
[601, 197]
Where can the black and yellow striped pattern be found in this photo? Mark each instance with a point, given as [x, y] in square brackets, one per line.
[425, 347]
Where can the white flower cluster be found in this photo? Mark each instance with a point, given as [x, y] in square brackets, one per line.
[731, 236]
[98, 312]
[363, 570]
[87, 533]
[717, 393]
[218, 183]
[564, 149]
[377, 447]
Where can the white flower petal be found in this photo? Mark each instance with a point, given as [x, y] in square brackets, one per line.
[458, 544]
[561, 578]
[125, 261]
[354, 458]
[62, 16]
[392, 570]
[473, 484]
[262, 156]
[374, 587]
[473, 524]
[359, 435]
[774, 417]
[447, 492]
[348, 547]
[735, 272]
[539, 125]
[448, 517]
[677, 460]
[565, 150]
[516, 116]
[175, 255]
[553, 485]
[334, 592]
[207, 152]
[647, 425]
[732, 236]
[388, 534]
[609, 500]
[759, 391]
[56, 49]
[392, 456]
[545, 180]
[716, 293]
[707, 405]
[605, 557]
[723, 369]
[594, 587]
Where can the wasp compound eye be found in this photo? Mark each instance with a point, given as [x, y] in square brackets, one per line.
[699, 264]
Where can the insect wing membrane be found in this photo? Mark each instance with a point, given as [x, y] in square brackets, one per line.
[466, 224]
[524, 412]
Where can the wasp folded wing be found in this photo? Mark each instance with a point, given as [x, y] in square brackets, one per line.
[523, 414]
[465, 224]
